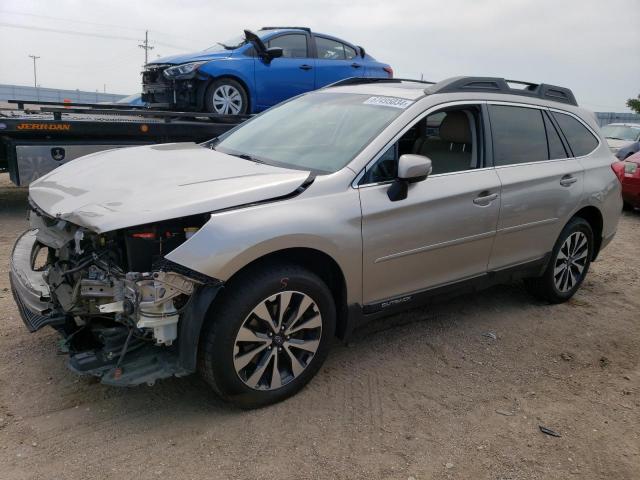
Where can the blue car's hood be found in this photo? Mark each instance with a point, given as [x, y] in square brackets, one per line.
[193, 57]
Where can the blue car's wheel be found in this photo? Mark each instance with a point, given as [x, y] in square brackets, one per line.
[226, 97]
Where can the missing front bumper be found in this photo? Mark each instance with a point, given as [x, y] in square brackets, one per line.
[29, 289]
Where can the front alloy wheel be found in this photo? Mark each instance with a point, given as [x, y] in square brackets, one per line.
[277, 340]
[268, 334]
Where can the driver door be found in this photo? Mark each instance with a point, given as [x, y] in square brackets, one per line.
[444, 230]
[287, 76]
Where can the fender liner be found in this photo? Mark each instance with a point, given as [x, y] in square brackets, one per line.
[191, 326]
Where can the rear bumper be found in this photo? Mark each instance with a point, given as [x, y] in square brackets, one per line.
[30, 291]
[631, 191]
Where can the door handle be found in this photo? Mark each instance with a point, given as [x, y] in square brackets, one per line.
[568, 180]
[485, 198]
[306, 67]
[356, 65]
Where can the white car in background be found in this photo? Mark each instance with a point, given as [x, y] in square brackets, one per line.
[623, 138]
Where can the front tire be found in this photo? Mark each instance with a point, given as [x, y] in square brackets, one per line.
[268, 336]
[568, 266]
[226, 96]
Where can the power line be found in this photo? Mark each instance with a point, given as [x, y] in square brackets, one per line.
[109, 25]
[84, 34]
[49, 17]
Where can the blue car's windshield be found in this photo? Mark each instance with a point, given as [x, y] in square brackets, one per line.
[322, 132]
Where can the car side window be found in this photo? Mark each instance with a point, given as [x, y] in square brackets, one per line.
[330, 49]
[450, 138]
[518, 135]
[581, 140]
[349, 52]
[293, 45]
[556, 148]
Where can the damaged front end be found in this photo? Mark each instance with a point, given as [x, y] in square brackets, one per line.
[126, 314]
[178, 92]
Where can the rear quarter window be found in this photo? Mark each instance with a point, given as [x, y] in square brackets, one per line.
[581, 140]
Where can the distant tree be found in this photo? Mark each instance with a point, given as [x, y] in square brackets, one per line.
[634, 104]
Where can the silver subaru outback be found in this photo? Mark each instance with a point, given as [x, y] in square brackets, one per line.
[242, 257]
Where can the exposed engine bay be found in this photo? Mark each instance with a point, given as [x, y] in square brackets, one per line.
[114, 298]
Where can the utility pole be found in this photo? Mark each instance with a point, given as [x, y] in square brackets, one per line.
[145, 45]
[35, 76]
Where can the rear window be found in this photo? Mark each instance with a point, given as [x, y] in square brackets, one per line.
[330, 49]
[518, 135]
[581, 140]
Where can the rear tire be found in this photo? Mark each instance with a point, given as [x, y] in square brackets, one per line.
[253, 361]
[226, 96]
[568, 266]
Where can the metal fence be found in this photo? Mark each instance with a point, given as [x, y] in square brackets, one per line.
[18, 92]
[605, 118]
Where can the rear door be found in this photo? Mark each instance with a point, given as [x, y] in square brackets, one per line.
[335, 61]
[542, 183]
[287, 76]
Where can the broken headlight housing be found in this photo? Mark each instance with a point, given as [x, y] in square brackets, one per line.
[180, 70]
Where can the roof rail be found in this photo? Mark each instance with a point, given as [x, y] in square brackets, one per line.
[365, 80]
[306, 29]
[500, 85]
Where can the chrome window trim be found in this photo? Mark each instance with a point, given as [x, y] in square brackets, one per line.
[437, 175]
[411, 123]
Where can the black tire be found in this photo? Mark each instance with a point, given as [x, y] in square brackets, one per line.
[238, 300]
[219, 86]
[545, 287]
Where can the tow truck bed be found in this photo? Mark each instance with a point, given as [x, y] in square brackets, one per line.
[34, 142]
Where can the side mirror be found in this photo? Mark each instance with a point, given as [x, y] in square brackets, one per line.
[411, 169]
[274, 52]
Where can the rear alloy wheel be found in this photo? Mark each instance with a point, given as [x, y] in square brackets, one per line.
[226, 97]
[570, 260]
[268, 335]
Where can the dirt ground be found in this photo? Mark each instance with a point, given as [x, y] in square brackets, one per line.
[427, 394]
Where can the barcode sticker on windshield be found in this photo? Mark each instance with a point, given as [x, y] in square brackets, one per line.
[389, 102]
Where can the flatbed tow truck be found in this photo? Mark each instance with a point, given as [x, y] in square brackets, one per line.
[34, 141]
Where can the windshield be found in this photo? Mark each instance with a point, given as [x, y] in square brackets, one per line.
[621, 132]
[234, 42]
[321, 132]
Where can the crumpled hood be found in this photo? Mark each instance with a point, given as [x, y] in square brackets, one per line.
[125, 187]
[192, 57]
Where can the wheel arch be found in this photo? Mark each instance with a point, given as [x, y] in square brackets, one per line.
[316, 261]
[594, 217]
[206, 84]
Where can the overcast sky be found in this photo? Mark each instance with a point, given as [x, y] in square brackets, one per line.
[591, 46]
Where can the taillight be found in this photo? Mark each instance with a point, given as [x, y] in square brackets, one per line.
[389, 70]
[618, 169]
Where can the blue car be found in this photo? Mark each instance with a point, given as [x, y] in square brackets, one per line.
[255, 71]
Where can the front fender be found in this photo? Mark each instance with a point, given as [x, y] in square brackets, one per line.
[240, 68]
[231, 240]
